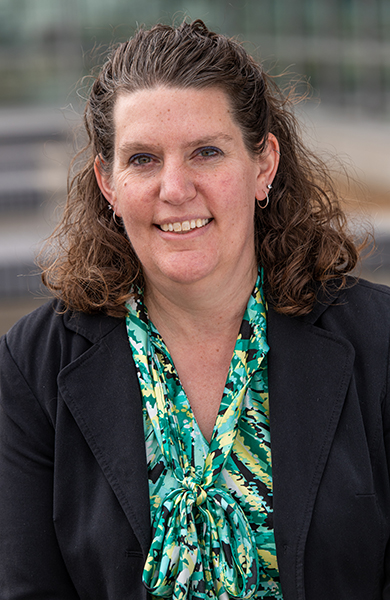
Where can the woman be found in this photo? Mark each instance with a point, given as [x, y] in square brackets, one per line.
[205, 319]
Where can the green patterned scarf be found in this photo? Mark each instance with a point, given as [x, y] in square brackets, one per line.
[202, 543]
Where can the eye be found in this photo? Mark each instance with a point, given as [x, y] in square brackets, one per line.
[141, 159]
[209, 152]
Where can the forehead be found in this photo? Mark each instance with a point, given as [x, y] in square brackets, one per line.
[173, 114]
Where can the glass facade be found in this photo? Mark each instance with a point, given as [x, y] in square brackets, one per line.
[342, 46]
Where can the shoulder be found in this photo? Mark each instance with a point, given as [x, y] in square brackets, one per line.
[39, 333]
[51, 322]
[46, 340]
[361, 289]
[41, 319]
[359, 312]
[362, 300]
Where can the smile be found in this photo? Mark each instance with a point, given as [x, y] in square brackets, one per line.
[185, 226]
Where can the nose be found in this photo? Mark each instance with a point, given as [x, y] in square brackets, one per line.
[176, 185]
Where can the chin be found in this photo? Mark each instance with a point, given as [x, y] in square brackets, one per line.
[186, 277]
[187, 273]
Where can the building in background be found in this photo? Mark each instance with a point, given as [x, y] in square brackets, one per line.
[47, 46]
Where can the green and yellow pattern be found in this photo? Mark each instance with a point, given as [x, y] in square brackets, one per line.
[211, 504]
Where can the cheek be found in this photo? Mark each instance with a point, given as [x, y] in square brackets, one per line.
[134, 219]
[136, 200]
[130, 206]
[138, 219]
[242, 198]
[241, 183]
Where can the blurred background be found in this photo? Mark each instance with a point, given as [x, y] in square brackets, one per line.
[342, 47]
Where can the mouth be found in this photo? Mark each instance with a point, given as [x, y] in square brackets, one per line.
[184, 226]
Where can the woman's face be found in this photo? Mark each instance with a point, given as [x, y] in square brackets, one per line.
[184, 184]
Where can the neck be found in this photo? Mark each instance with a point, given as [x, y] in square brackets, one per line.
[200, 308]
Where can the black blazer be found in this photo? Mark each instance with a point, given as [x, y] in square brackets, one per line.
[74, 507]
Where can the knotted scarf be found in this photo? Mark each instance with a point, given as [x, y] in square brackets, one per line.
[202, 543]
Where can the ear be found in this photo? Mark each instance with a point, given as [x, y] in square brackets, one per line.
[268, 165]
[104, 181]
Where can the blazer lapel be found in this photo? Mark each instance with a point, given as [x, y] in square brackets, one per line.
[101, 390]
[309, 373]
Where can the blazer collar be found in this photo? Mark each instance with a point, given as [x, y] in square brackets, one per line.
[92, 326]
[101, 390]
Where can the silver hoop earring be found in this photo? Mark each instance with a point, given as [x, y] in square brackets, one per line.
[263, 206]
[113, 215]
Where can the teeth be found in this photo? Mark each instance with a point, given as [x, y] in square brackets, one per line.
[185, 225]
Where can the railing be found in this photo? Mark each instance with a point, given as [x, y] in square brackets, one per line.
[33, 164]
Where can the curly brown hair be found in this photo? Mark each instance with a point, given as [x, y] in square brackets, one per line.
[301, 238]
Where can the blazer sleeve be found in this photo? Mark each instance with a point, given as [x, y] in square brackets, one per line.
[31, 565]
[386, 426]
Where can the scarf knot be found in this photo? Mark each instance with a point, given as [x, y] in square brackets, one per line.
[211, 538]
[198, 491]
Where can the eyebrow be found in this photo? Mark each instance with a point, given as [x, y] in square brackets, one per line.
[212, 139]
[138, 146]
